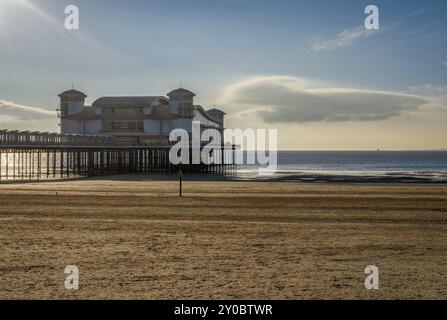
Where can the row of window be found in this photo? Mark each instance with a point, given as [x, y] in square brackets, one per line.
[185, 109]
[71, 99]
[63, 110]
[124, 126]
[124, 111]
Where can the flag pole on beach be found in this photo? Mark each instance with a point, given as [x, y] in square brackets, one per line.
[180, 177]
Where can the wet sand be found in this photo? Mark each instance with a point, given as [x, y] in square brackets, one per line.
[133, 237]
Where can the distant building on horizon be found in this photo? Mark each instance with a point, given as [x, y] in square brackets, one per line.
[135, 120]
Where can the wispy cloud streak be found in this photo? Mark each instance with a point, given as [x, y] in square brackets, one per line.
[343, 39]
[20, 112]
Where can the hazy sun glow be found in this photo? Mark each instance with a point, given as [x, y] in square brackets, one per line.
[6, 24]
[28, 5]
[4, 3]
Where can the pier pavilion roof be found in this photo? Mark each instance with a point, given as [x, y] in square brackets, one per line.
[181, 92]
[215, 111]
[72, 92]
[205, 113]
[145, 101]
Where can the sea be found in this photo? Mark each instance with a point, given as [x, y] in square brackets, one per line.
[352, 166]
[319, 166]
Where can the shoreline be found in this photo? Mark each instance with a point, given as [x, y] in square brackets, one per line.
[391, 178]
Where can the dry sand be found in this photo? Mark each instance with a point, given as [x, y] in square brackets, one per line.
[132, 237]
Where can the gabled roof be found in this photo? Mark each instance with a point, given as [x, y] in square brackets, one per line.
[145, 101]
[72, 92]
[199, 108]
[181, 92]
[161, 113]
[216, 111]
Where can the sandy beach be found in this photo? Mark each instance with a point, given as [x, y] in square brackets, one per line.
[133, 237]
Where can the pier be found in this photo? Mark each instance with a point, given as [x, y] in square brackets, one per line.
[37, 156]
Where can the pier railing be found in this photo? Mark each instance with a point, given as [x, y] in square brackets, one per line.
[37, 138]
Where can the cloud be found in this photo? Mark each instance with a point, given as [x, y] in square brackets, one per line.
[444, 63]
[343, 39]
[429, 89]
[14, 111]
[283, 99]
[438, 93]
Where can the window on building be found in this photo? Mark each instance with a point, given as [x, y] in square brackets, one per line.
[64, 109]
[185, 109]
[124, 126]
[125, 111]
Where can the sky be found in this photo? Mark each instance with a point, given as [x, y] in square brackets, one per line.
[309, 69]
